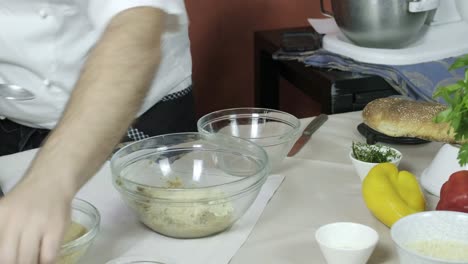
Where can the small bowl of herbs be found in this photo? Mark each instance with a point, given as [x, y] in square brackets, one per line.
[364, 157]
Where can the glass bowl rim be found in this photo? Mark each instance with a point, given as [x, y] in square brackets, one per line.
[91, 232]
[295, 124]
[262, 171]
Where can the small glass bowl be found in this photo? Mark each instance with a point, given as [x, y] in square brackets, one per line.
[87, 215]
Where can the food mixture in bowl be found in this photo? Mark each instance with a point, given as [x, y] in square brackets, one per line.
[189, 219]
[73, 232]
[441, 249]
[84, 226]
[204, 211]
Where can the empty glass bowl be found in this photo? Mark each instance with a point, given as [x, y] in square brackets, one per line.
[274, 130]
[189, 185]
[86, 221]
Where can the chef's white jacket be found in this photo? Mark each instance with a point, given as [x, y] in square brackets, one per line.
[44, 44]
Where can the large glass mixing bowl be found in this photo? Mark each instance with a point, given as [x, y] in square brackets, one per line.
[189, 185]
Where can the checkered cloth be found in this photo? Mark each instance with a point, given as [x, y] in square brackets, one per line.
[176, 95]
[135, 134]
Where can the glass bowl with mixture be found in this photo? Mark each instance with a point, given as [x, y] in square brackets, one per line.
[81, 233]
[274, 130]
[189, 185]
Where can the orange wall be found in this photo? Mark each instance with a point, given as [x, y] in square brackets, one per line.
[221, 33]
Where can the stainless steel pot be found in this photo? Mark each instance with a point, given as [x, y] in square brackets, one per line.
[380, 23]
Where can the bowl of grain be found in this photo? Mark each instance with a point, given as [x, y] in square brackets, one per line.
[81, 232]
[189, 185]
[433, 237]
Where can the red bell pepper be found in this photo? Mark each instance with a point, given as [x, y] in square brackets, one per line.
[454, 193]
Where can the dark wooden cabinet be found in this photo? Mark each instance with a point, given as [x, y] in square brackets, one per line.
[336, 91]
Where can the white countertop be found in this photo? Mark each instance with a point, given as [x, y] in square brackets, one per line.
[320, 187]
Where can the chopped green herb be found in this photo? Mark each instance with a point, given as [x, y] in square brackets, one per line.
[373, 153]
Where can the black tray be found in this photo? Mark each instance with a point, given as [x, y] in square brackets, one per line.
[373, 136]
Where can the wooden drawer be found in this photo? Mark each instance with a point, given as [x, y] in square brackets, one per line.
[354, 94]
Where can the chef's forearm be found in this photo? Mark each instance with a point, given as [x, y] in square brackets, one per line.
[106, 98]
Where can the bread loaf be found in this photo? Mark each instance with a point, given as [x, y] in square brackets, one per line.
[399, 117]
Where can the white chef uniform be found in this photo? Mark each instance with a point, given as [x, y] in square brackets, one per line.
[44, 44]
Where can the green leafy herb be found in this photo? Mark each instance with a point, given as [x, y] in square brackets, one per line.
[373, 153]
[456, 114]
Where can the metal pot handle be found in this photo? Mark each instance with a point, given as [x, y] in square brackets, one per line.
[324, 11]
[423, 5]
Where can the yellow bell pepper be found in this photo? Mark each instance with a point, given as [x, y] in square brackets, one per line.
[390, 194]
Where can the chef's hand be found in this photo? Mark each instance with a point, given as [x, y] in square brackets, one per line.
[33, 219]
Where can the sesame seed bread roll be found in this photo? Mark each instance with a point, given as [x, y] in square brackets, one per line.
[399, 117]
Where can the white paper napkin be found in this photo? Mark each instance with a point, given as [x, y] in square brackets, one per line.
[324, 25]
[122, 234]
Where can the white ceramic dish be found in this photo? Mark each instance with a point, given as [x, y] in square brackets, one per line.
[346, 242]
[362, 168]
[439, 170]
[436, 233]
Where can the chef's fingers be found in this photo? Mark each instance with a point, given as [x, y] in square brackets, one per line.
[9, 240]
[51, 243]
[29, 244]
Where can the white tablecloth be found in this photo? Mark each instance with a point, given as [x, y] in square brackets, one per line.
[122, 235]
[320, 187]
